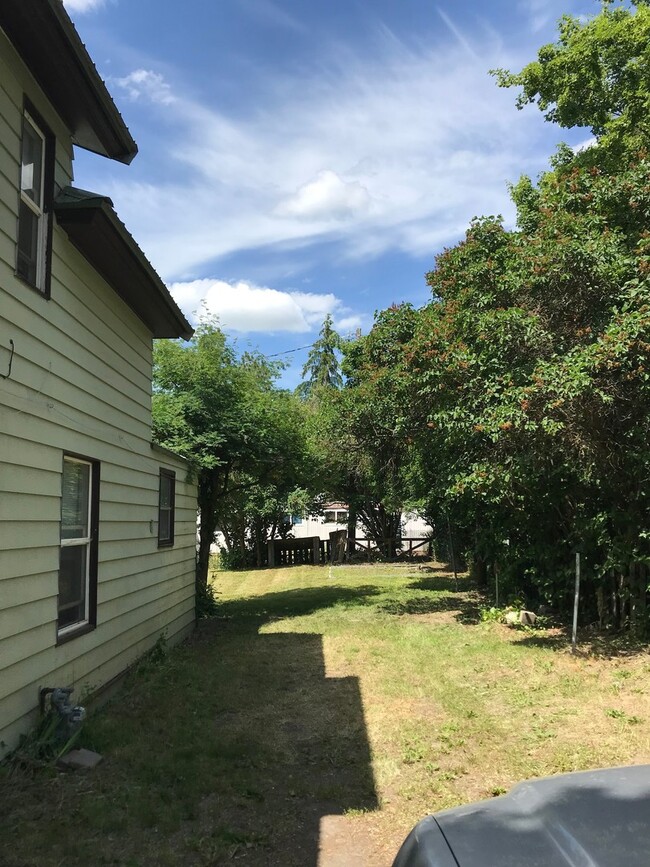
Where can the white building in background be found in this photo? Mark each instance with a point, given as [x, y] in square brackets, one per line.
[335, 517]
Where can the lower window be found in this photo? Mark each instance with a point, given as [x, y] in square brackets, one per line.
[77, 605]
[166, 508]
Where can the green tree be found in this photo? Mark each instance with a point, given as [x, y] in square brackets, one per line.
[597, 75]
[525, 382]
[215, 409]
[364, 457]
[262, 495]
[322, 369]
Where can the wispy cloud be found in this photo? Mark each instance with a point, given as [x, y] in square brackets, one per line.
[457, 33]
[393, 150]
[271, 13]
[82, 6]
[145, 84]
[542, 13]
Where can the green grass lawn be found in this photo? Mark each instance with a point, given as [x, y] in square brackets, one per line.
[373, 693]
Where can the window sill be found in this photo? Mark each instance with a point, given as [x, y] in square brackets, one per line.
[84, 629]
[169, 543]
[39, 291]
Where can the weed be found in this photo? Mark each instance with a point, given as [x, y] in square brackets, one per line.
[492, 615]
[616, 713]
[207, 604]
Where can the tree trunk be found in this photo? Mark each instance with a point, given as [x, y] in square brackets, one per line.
[259, 533]
[352, 530]
[479, 571]
[207, 500]
[381, 527]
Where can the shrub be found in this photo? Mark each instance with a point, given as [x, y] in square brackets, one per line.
[207, 604]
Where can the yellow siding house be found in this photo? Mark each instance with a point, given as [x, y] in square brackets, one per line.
[97, 526]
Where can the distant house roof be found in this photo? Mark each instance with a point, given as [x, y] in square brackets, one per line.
[46, 39]
[95, 229]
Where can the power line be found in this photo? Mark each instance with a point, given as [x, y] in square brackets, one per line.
[287, 351]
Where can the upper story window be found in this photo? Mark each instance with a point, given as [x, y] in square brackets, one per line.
[35, 207]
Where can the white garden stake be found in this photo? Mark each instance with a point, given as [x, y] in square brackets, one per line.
[575, 604]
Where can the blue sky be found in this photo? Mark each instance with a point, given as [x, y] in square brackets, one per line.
[304, 158]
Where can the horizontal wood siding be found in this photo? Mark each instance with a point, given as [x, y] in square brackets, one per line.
[80, 382]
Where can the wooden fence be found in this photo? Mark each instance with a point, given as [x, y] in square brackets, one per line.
[419, 544]
[293, 552]
[313, 550]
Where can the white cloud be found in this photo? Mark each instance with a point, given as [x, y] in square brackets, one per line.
[457, 33]
[148, 84]
[327, 197]
[584, 145]
[393, 151]
[348, 325]
[245, 307]
[82, 6]
[542, 13]
[314, 306]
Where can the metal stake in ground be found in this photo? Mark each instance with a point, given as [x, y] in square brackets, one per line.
[575, 605]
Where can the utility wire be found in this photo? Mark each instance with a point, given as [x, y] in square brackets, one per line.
[287, 351]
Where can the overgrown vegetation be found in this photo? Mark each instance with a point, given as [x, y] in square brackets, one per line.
[515, 406]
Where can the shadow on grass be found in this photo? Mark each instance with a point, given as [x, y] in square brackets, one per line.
[437, 583]
[445, 594]
[590, 643]
[294, 742]
[294, 603]
[232, 749]
[465, 609]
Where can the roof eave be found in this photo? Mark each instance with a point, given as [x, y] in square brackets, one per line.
[95, 229]
[48, 43]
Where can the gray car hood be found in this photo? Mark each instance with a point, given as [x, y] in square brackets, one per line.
[590, 819]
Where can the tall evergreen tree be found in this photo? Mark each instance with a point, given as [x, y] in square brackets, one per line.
[322, 368]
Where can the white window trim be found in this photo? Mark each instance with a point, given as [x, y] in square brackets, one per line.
[37, 210]
[78, 542]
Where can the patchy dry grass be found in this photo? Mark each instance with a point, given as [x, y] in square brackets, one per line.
[369, 692]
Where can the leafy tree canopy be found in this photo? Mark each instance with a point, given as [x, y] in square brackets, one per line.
[243, 436]
[597, 75]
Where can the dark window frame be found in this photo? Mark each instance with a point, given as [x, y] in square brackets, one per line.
[170, 476]
[73, 630]
[43, 282]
